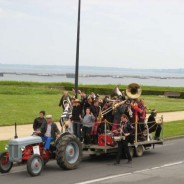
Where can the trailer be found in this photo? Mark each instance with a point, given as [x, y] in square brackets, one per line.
[136, 149]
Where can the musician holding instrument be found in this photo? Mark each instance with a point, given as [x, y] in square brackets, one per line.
[125, 132]
[65, 97]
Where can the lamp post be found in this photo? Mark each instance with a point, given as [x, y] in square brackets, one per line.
[77, 51]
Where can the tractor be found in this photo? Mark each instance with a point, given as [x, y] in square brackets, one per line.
[66, 150]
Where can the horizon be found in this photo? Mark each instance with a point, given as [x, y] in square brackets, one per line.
[9, 64]
[119, 68]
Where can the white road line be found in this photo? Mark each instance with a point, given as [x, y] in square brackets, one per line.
[171, 164]
[105, 178]
[126, 174]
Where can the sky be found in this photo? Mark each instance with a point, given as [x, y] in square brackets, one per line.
[136, 34]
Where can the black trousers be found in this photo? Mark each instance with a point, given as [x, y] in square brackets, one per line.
[155, 128]
[86, 134]
[123, 147]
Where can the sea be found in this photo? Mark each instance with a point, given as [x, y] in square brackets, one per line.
[92, 75]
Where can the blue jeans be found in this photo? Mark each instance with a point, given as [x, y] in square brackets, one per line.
[47, 141]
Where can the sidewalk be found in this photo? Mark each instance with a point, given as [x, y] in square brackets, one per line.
[8, 132]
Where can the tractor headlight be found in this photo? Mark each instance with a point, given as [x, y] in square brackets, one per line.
[23, 148]
[6, 147]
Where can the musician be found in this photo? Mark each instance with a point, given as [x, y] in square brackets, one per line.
[153, 126]
[117, 114]
[125, 130]
[64, 97]
[76, 113]
[129, 110]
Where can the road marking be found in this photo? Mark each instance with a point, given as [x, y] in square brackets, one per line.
[126, 174]
[105, 178]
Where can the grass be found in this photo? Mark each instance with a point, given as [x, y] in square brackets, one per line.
[173, 128]
[21, 102]
[163, 104]
[2, 145]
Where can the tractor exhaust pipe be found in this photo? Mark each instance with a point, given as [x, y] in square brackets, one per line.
[16, 136]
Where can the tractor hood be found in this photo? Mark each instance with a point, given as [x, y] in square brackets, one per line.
[24, 141]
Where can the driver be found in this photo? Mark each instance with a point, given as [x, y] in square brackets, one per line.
[49, 132]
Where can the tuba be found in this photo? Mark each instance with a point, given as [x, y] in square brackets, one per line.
[133, 91]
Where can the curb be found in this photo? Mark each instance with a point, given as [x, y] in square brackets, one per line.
[174, 137]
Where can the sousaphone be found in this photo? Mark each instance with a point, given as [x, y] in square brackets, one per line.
[133, 91]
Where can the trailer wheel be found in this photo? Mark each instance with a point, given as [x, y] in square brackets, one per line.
[5, 164]
[68, 152]
[139, 150]
[131, 149]
[35, 165]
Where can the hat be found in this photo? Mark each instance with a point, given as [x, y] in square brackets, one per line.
[76, 101]
[49, 117]
[153, 111]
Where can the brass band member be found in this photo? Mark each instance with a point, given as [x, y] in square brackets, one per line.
[125, 130]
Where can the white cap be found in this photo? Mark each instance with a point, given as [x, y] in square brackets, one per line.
[49, 116]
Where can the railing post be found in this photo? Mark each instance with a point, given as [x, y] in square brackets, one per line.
[105, 137]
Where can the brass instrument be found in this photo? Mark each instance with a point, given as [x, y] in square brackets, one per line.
[116, 92]
[133, 91]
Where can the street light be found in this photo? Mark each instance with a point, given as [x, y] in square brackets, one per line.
[77, 51]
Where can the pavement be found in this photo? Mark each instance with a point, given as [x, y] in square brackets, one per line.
[162, 165]
[8, 132]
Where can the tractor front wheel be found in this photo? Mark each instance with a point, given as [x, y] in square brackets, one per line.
[35, 165]
[5, 164]
[68, 152]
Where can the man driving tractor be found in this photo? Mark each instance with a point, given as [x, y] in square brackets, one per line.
[48, 131]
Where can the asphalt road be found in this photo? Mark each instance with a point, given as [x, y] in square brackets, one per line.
[164, 165]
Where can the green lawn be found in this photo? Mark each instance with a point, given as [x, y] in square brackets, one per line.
[164, 104]
[174, 128]
[21, 102]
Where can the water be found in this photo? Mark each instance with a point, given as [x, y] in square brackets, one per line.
[93, 75]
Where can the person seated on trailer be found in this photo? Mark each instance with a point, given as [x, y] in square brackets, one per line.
[125, 132]
[153, 125]
[39, 121]
[87, 122]
[49, 132]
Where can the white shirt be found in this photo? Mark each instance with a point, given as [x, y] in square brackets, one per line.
[48, 132]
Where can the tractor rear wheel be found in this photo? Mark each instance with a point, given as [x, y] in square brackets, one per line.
[35, 165]
[5, 164]
[68, 152]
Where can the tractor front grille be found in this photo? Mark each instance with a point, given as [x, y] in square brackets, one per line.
[13, 151]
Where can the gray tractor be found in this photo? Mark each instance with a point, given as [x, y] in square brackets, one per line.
[67, 151]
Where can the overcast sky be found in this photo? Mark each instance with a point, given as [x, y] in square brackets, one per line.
[114, 33]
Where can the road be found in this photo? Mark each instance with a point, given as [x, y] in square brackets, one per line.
[163, 165]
